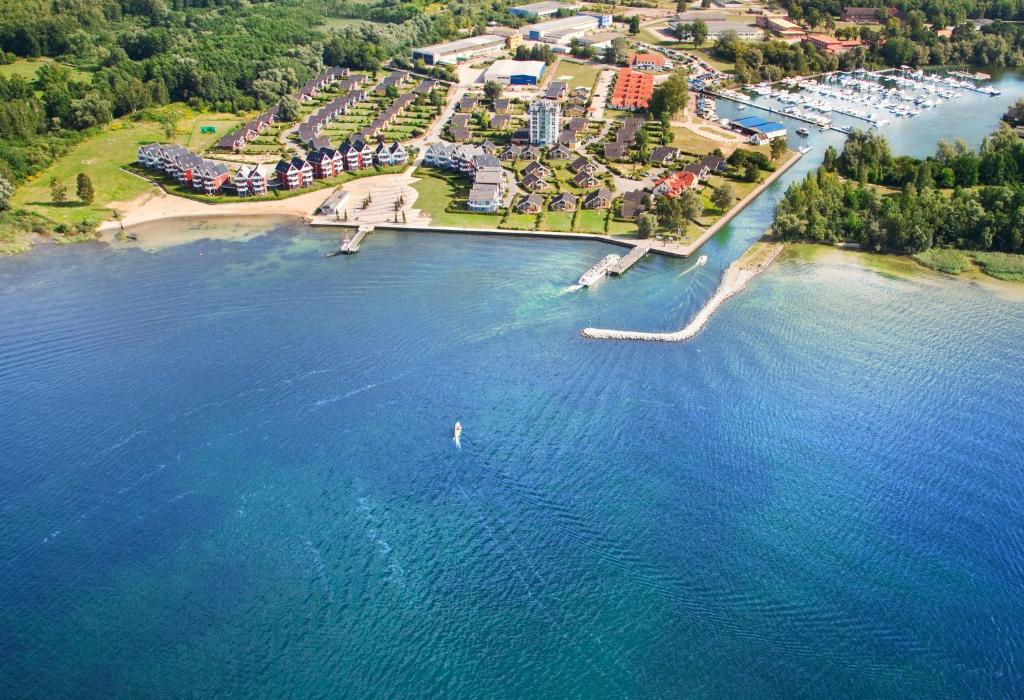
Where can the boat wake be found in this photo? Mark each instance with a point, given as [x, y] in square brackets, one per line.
[701, 262]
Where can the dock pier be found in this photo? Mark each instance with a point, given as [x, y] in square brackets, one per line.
[627, 261]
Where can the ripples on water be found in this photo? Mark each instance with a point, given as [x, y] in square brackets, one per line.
[226, 469]
[233, 474]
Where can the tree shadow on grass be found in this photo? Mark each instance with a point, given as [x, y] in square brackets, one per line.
[60, 205]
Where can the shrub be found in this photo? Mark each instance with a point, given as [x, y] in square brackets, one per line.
[946, 260]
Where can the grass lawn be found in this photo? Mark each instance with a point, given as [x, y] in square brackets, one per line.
[576, 74]
[557, 220]
[652, 35]
[618, 227]
[522, 222]
[590, 220]
[27, 69]
[189, 129]
[101, 157]
[704, 53]
[436, 193]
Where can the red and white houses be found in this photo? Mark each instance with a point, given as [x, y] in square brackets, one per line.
[357, 154]
[183, 165]
[390, 155]
[250, 182]
[293, 174]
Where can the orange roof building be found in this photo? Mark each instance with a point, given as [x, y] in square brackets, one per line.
[648, 61]
[633, 90]
[674, 184]
[824, 42]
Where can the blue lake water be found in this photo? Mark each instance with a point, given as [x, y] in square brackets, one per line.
[226, 469]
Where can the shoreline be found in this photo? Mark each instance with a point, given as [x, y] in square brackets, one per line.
[736, 277]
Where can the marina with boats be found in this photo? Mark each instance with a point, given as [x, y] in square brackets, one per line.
[874, 97]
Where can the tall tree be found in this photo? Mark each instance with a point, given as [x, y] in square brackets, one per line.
[646, 225]
[722, 196]
[671, 97]
[58, 193]
[84, 188]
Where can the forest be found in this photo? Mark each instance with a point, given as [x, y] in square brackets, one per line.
[118, 57]
[958, 198]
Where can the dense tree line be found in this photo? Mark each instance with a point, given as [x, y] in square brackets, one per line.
[219, 54]
[957, 198]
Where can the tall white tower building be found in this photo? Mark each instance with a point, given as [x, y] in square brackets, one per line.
[544, 122]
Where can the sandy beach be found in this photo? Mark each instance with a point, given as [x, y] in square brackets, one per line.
[156, 205]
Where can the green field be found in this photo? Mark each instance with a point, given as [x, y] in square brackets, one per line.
[437, 192]
[522, 222]
[590, 221]
[576, 74]
[27, 69]
[557, 221]
[101, 157]
[620, 228]
[946, 260]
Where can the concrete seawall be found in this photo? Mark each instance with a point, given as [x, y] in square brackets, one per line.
[736, 277]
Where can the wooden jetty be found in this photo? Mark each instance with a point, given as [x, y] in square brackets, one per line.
[627, 261]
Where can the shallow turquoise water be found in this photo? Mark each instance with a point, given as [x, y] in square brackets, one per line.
[226, 469]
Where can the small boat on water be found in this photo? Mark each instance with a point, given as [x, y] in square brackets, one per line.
[598, 271]
[803, 131]
[458, 431]
[702, 260]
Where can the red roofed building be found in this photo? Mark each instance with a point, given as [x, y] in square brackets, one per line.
[648, 61]
[829, 44]
[674, 184]
[633, 90]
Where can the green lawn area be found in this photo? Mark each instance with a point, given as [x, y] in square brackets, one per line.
[590, 220]
[617, 227]
[556, 220]
[189, 129]
[101, 157]
[27, 69]
[436, 192]
[576, 74]
[651, 36]
[522, 222]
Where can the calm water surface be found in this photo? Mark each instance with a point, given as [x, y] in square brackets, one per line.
[226, 469]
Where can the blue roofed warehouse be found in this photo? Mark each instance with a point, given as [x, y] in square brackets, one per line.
[759, 129]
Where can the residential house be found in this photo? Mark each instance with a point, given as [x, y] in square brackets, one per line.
[210, 177]
[530, 153]
[531, 204]
[536, 168]
[510, 152]
[535, 182]
[585, 180]
[556, 90]
[663, 154]
[500, 121]
[674, 184]
[598, 199]
[322, 161]
[468, 103]
[459, 119]
[461, 133]
[484, 197]
[502, 105]
[250, 182]
[615, 150]
[699, 170]
[565, 201]
[559, 152]
[581, 164]
[714, 164]
[633, 204]
[633, 90]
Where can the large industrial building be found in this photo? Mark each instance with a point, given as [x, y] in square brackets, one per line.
[459, 50]
[539, 10]
[544, 122]
[515, 72]
[562, 31]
